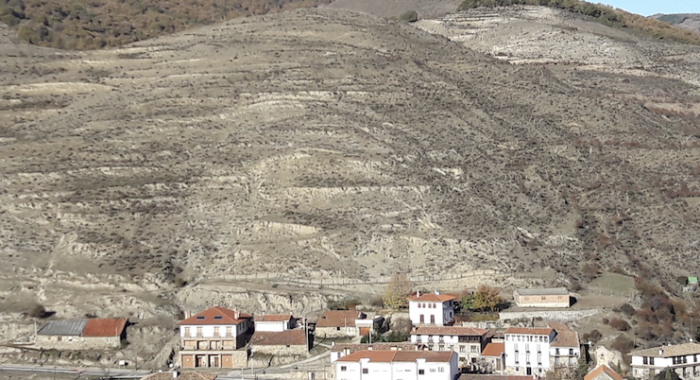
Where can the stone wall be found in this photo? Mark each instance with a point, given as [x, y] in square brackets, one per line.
[77, 343]
[552, 315]
[333, 332]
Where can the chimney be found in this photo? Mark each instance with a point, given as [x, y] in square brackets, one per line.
[236, 314]
[188, 314]
[661, 351]
[174, 374]
[437, 292]
[418, 294]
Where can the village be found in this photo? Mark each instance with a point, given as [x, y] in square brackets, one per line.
[433, 342]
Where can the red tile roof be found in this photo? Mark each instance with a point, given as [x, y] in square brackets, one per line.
[338, 318]
[273, 318]
[287, 337]
[529, 330]
[469, 376]
[103, 327]
[566, 339]
[216, 316]
[432, 297]
[494, 349]
[558, 327]
[448, 330]
[600, 370]
[399, 356]
[389, 346]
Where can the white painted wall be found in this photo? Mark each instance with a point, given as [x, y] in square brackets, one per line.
[443, 312]
[537, 352]
[277, 326]
[208, 330]
[397, 371]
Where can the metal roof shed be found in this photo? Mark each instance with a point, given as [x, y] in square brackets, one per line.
[68, 327]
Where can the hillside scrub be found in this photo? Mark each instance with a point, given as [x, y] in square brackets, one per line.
[605, 15]
[102, 23]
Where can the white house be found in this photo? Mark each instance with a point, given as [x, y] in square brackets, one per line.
[397, 365]
[274, 322]
[431, 309]
[527, 350]
[682, 358]
[340, 350]
[466, 341]
[210, 338]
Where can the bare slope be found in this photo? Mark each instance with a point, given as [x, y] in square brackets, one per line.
[684, 20]
[332, 145]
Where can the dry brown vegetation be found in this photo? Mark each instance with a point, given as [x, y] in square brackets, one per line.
[100, 23]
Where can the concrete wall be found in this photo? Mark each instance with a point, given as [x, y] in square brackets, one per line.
[553, 315]
[542, 301]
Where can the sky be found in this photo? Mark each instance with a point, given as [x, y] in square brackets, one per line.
[650, 7]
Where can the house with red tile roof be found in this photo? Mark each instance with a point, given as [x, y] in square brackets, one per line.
[603, 372]
[493, 357]
[82, 334]
[215, 338]
[535, 350]
[274, 322]
[405, 365]
[431, 309]
[284, 347]
[345, 323]
[466, 341]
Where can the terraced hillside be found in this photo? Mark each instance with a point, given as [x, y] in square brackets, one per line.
[333, 146]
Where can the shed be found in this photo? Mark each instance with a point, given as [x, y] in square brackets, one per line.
[68, 327]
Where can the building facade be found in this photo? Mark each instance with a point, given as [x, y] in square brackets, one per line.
[684, 359]
[467, 342]
[565, 349]
[542, 297]
[431, 309]
[286, 346]
[274, 322]
[527, 350]
[397, 365]
[493, 358]
[340, 350]
[212, 339]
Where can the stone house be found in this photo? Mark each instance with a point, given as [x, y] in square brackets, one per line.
[565, 349]
[340, 350]
[344, 323]
[405, 365]
[431, 309]
[684, 359]
[603, 372]
[215, 338]
[293, 343]
[542, 297]
[468, 342]
[82, 334]
[493, 358]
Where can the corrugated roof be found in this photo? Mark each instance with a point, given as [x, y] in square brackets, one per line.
[216, 316]
[68, 327]
[338, 318]
[566, 339]
[669, 351]
[273, 318]
[529, 330]
[543, 292]
[494, 349]
[448, 330]
[602, 369]
[399, 356]
[432, 297]
[270, 338]
[104, 327]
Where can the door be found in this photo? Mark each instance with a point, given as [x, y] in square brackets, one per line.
[422, 318]
[529, 371]
[214, 361]
[187, 361]
[226, 361]
[201, 361]
[432, 319]
[199, 332]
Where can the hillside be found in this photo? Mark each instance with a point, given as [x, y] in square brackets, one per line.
[102, 23]
[267, 162]
[689, 21]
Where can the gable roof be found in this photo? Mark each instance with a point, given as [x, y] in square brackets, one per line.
[669, 351]
[432, 297]
[273, 318]
[339, 318]
[600, 370]
[566, 339]
[494, 349]
[529, 330]
[543, 292]
[67, 327]
[104, 327]
[448, 330]
[389, 346]
[399, 356]
[216, 316]
[287, 337]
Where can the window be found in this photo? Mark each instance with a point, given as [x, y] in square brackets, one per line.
[645, 360]
[421, 372]
[441, 369]
[343, 368]
[474, 349]
[544, 298]
[217, 317]
[651, 361]
[527, 358]
[365, 370]
[571, 351]
[515, 346]
[337, 329]
[200, 317]
[462, 349]
[556, 351]
[433, 370]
